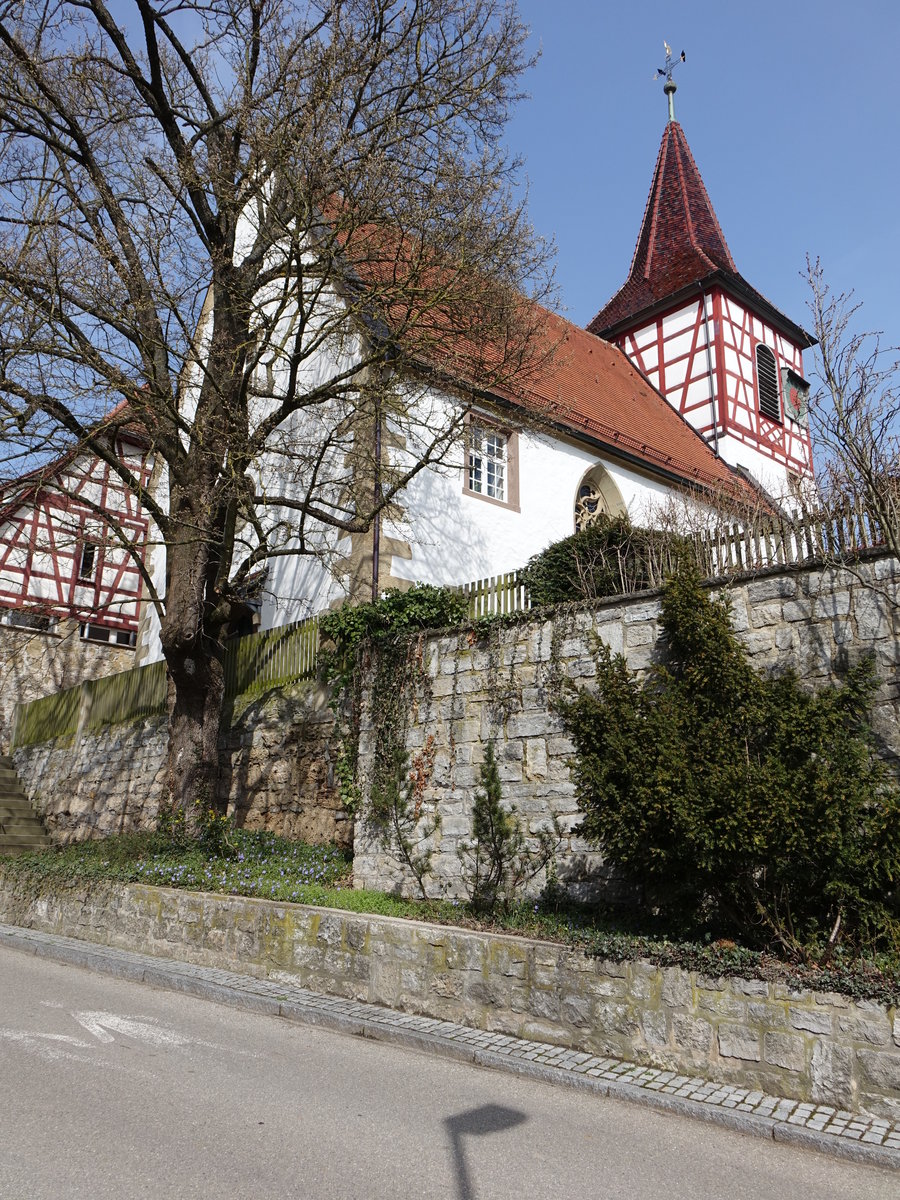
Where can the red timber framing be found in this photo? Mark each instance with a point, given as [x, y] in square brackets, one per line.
[714, 385]
[59, 557]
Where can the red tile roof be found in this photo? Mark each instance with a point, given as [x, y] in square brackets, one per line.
[590, 387]
[680, 245]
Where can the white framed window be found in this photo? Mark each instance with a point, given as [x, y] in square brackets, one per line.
[488, 461]
[491, 465]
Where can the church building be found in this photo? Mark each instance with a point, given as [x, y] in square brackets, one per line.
[687, 380]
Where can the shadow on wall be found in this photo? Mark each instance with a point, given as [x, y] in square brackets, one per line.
[277, 765]
[107, 782]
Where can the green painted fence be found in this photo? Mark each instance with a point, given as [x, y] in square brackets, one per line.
[252, 664]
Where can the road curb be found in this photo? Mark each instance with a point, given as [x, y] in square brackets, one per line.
[170, 975]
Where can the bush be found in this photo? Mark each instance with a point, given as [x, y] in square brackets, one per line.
[422, 606]
[750, 804]
[610, 557]
[497, 862]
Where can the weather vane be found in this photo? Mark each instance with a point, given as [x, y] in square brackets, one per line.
[670, 87]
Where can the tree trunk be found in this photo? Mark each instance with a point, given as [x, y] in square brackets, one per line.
[196, 693]
[191, 639]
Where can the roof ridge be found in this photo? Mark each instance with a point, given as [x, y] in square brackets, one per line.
[652, 200]
[685, 152]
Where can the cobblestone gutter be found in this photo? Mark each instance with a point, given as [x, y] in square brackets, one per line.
[820, 1049]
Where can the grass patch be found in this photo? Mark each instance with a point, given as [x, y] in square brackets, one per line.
[264, 865]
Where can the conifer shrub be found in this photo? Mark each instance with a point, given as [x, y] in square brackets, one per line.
[610, 557]
[748, 805]
[497, 862]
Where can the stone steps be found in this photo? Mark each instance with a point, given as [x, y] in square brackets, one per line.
[20, 826]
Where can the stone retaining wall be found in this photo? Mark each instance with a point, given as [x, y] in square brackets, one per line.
[277, 772]
[811, 1046]
[278, 765]
[499, 686]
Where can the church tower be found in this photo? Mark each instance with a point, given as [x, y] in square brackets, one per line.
[721, 354]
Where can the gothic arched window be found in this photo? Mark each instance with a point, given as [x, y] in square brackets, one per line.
[597, 495]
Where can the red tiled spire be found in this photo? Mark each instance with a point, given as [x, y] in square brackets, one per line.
[680, 241]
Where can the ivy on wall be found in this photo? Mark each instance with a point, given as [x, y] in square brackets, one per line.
[384, 640]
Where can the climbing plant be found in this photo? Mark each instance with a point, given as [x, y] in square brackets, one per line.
[748, 803]
[382, 636]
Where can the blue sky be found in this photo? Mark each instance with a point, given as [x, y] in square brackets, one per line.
[791, 109]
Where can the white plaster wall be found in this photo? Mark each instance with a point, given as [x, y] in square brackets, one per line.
[456, 538]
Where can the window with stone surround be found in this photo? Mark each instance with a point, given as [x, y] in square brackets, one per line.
[491, 465]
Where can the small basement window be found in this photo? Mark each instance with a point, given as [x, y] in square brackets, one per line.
[101, 633]
[767, 383]
[28, 619]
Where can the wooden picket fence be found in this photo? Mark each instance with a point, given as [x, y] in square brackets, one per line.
[275, 657]
[787, 541]
[272, 657]
[496, 595]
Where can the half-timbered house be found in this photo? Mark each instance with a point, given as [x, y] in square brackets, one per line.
[71, 537]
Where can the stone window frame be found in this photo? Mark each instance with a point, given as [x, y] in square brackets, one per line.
[482, 421]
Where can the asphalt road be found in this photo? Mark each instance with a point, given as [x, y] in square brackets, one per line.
[116, 1090]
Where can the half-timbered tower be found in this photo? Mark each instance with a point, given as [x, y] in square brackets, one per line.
[721, 354]
[61, 545]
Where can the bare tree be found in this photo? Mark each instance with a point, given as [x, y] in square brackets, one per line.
[271, 227]
[855, 411]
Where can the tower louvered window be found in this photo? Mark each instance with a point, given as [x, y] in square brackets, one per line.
[767, 382]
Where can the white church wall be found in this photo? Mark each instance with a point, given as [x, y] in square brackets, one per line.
[456, 537]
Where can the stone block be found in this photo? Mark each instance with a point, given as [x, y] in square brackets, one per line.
[528, 725]
[693, 1034]
[737, 1041]
[886, 569]
[762, 615]
[876, 1033]
[655, 1028]
[544, 1004]
[785, 1050]
[676, 991]
[881, 1068]
[784, 638]
[613, 636]
[810, 1020]
[776, 587]
[640, 635]
[576, 1011]
[637, 612]
[750, 987]
[535, 758]
[831, 1072]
